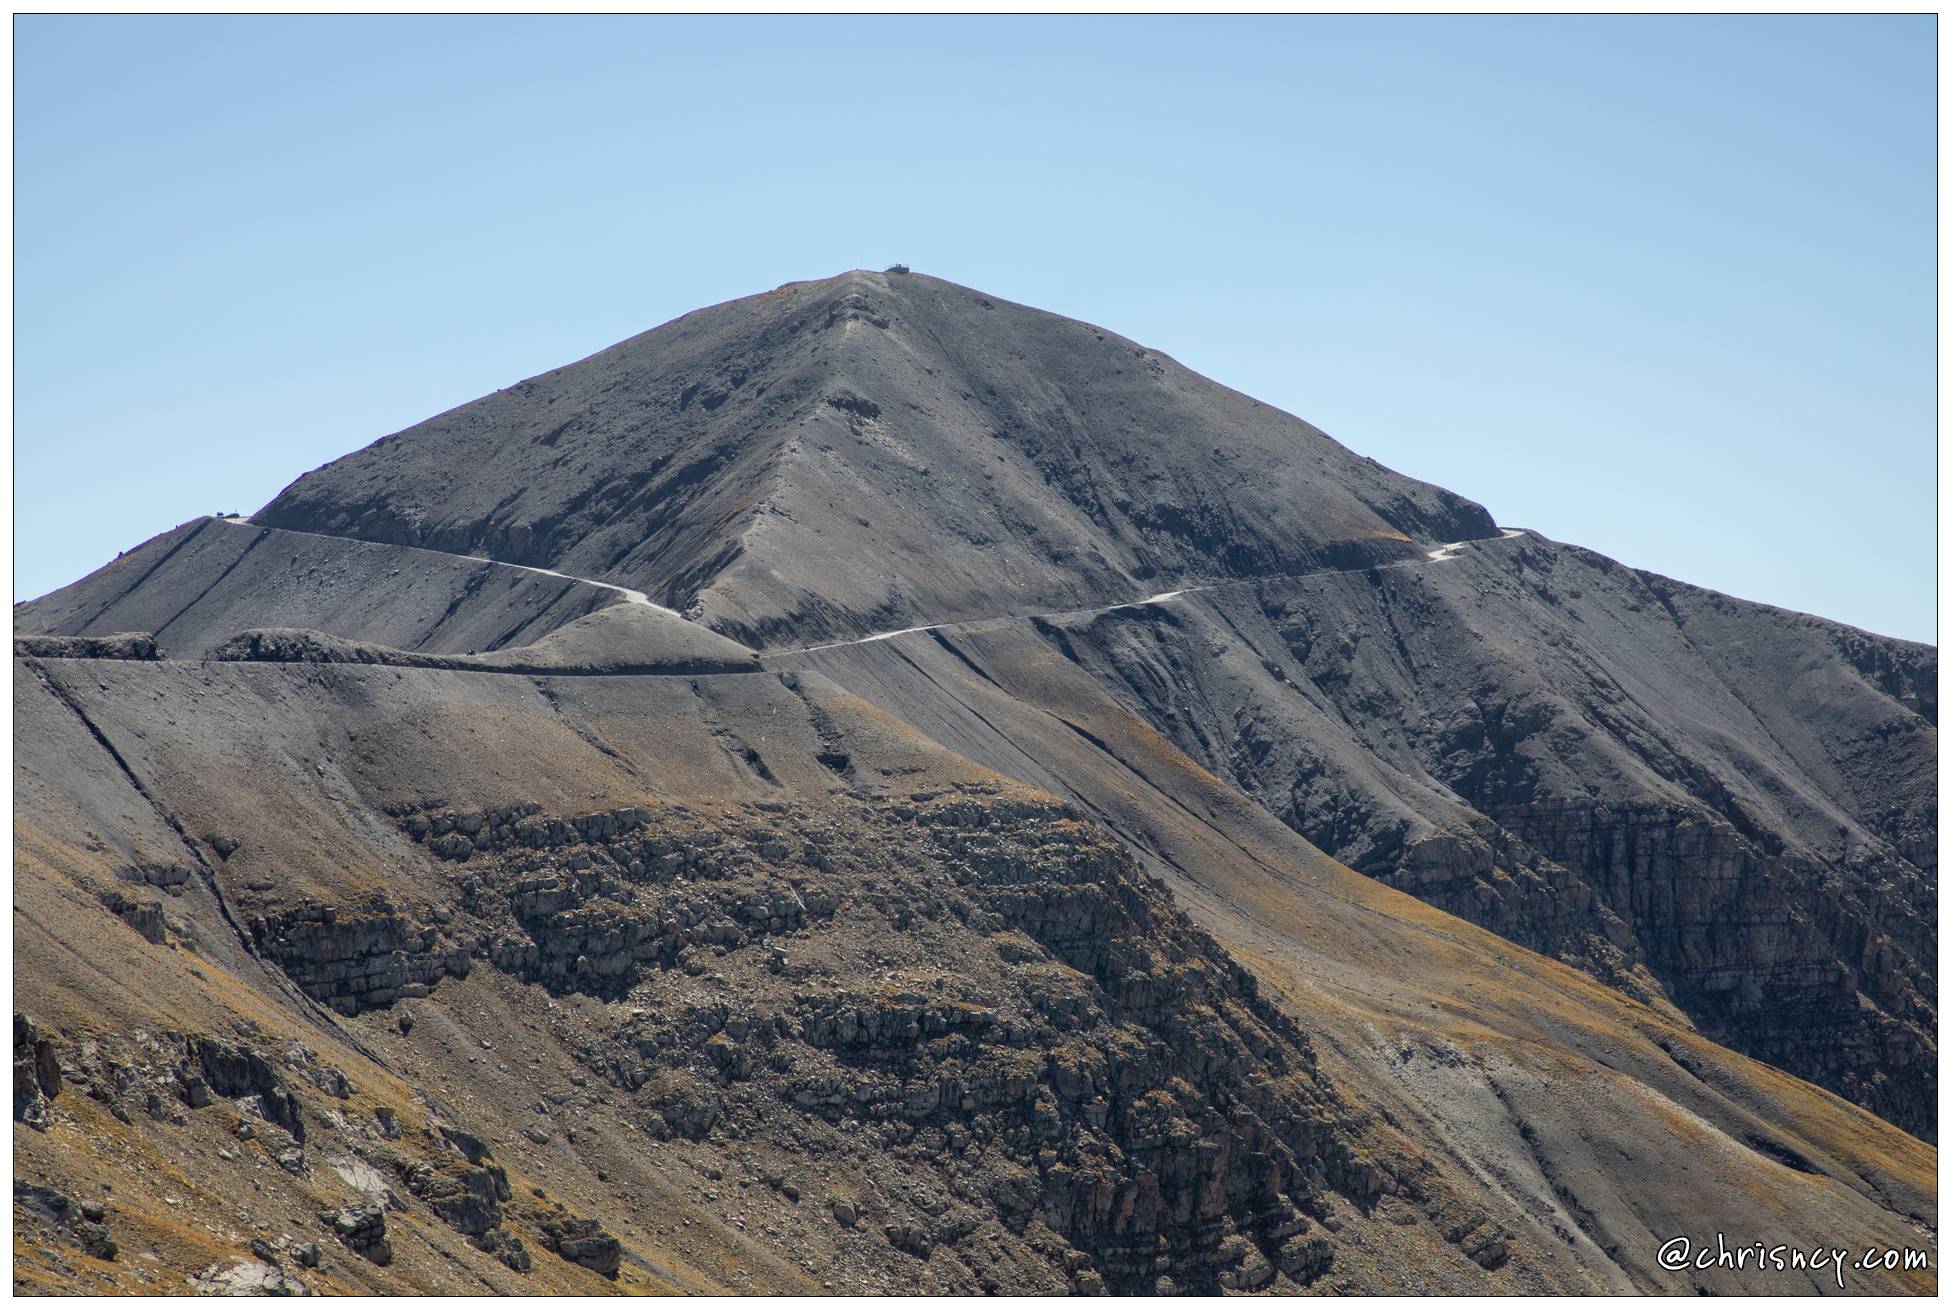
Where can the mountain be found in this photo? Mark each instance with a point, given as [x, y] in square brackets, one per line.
[843, 457]
[873, 787]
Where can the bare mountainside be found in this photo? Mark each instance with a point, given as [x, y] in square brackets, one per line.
[838, 458]
[872, 787]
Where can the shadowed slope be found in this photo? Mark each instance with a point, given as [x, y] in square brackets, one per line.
[1668, 787]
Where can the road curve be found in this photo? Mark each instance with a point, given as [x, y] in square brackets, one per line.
[631, 596]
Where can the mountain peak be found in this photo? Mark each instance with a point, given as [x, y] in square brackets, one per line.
[841, 455]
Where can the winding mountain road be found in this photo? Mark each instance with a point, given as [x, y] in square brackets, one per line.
[631, 596]
[1440, 555]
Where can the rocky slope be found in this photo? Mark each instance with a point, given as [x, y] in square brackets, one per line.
[873, 451]
[490, 981]
[197, 585]
[393, 918]
[1682, 793]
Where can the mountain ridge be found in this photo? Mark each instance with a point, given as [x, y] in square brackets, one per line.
[1121, 838]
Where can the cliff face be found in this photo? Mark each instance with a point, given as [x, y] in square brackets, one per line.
[1679, 792]
[1071, 1071]
[1245, 868]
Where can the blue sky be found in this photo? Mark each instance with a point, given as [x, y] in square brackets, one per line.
[1663, 287]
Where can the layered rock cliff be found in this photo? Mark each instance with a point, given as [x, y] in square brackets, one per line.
[1685, 794]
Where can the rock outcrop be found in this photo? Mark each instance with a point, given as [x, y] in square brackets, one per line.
[362, 1228]
[358, 958]
[79, 1222]
[1080, 1067]
[37, 1073]
[1533, 738]
[114, 646]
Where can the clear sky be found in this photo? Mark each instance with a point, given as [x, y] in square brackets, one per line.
[1663, 287]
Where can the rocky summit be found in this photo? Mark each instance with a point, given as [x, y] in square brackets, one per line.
[874, 788]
